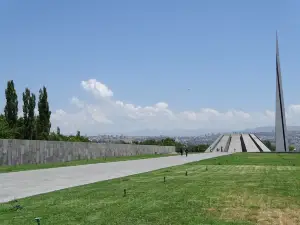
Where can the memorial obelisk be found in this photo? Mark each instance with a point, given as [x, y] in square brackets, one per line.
[280, 122]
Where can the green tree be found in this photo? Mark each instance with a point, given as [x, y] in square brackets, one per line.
[5, 131]
[269, 145]
[19, 130]
[43, 122]
[11, 107]
[28, 114]
[197, 148]
[35, 121]
[291, 148]
[31, 117]
[26, 96]
[167, 142]
[60, 137]
[58, 131]
[171, 142]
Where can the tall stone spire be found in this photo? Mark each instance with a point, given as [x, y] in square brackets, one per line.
[280, 123]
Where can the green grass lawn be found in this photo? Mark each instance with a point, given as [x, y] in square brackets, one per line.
[243, 189]
[5, 169]
[264, 159]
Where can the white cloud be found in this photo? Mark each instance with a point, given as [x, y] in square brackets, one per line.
[112, 115]
[77, 102]
[97, 88]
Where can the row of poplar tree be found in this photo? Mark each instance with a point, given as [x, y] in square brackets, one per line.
[30, 126]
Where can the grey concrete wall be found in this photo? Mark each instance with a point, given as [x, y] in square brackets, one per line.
[16, 152]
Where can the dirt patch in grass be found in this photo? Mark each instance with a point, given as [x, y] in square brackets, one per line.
[287, 216]
[259, 209]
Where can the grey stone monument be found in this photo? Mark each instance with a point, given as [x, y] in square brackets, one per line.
[280, 123]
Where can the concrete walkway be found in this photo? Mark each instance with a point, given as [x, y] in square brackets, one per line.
[17, 185]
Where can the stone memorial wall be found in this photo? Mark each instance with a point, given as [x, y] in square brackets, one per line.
[16, 152]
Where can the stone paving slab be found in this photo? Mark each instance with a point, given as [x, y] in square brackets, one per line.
[17, 185]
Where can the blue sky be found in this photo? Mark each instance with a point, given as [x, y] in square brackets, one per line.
[153, 51]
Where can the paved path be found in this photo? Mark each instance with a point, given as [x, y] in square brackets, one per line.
[17, 185]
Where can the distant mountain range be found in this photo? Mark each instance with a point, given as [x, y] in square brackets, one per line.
[197, 132]
[269, 129]
[175, 132]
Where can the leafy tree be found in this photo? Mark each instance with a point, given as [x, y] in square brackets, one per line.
[30, 126]
[167, 142]
[28, 114]
[197, 148]
[31, 116]
[43, 122]
[58, 131]
[171, 142]
[291, 148]
[60, 137]
[11, 107]
[269, 145]
[34, 133]
[149, 142]
[162, 142]
[19, 130]
[5, 131]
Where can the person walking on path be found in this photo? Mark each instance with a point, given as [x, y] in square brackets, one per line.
[186, 152]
